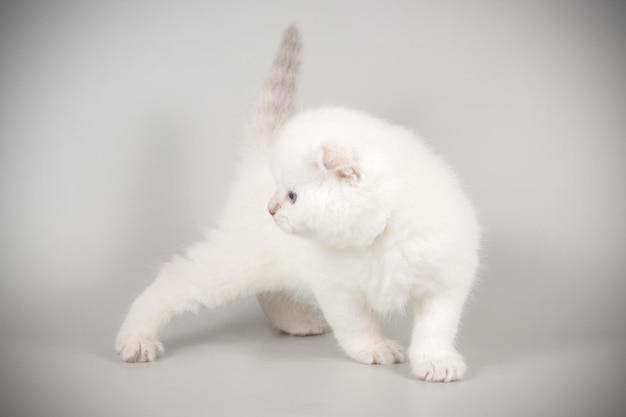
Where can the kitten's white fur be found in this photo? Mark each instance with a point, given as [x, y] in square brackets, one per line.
[380, 224]
[390, 228]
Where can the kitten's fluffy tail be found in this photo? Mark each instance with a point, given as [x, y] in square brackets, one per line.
[276, 103]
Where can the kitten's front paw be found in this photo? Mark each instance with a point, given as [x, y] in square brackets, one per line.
[438, 366]
[137, 349]
[384, 352]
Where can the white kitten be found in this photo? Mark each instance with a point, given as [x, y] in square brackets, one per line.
[375, 223]
[391, 228]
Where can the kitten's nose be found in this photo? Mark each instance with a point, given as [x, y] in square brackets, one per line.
[273, 207]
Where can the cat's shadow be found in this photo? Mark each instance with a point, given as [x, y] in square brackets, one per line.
[253, 331]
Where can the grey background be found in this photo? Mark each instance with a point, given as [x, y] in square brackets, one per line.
[120, 123]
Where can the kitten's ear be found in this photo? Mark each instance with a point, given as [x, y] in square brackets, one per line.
[339, 161]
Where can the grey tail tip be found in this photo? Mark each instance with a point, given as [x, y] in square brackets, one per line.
[291, 32]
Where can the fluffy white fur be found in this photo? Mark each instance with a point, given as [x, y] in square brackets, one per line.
[390, 228]
[372, 222]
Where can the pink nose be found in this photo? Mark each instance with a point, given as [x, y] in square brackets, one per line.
[273, 207]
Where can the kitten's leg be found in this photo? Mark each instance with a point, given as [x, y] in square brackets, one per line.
[183, 284]
[178, 288]
[432, 352]
[292, 316]
[357, 329]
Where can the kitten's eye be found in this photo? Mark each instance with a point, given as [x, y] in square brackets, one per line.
[292, 196]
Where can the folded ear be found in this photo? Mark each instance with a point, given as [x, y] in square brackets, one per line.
[339, 161]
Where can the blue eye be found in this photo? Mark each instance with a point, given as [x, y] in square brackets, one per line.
[292, 196]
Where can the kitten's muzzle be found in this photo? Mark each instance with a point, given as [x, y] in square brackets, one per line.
[273, 206]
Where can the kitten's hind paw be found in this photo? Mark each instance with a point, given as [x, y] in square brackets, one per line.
[384, 352]
[438, 367]
[139, 350]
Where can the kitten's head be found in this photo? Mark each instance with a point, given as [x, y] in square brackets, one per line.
[324, 193]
